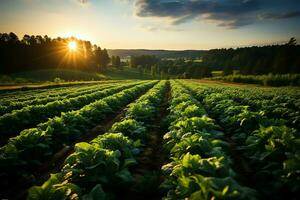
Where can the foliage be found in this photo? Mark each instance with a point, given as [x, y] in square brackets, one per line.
[31, 115]
[260, 121]
[130, 128]
[200, 166]
[52, 135]
[103, 163]
[223, 142]
[266, 80]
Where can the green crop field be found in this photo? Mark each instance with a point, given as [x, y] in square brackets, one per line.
[150, 139]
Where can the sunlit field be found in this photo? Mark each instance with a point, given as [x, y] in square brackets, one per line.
[142, 99]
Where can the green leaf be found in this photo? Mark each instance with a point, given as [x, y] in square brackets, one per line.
[129, 162]
[124, 175]
[97, 193]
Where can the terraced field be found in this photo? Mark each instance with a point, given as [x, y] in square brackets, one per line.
[174, 139]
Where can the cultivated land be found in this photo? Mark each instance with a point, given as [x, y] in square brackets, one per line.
[150, 139]
[60, 77]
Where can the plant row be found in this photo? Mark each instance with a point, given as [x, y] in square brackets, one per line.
[273, 103]
[24, 153]
[31, 94]
[46, 98]
[98, 169]
[28, 95]
[29, 116]
[201, 167]
[270, 147]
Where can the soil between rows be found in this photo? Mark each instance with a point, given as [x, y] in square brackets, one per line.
[147, 173]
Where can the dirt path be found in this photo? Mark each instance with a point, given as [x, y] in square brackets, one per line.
[147, 173]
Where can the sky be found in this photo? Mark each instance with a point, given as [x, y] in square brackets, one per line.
[156, 24]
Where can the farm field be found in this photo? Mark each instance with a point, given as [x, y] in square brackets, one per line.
[150, 139]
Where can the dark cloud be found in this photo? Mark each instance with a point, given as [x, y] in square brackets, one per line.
[279, 15]
[225, 13]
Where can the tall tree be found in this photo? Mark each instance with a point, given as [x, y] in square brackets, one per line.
[118, 61]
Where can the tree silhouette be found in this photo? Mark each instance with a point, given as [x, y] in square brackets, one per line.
[292, 42]
[42, 52]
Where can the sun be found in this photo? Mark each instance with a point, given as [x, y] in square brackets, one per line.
[72, 46]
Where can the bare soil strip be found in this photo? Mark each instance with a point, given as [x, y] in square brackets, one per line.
[147, 173]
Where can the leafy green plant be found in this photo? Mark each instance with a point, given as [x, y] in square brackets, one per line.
[141, 111]
[195, 178]
[198, 144]
[54, 189]
[130, 128]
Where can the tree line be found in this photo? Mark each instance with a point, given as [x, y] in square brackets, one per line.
[276, 59]
[179, 68]
[42, 52]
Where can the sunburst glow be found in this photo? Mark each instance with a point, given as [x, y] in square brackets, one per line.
[72, 46]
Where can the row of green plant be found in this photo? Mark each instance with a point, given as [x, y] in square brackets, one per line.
[12, 105]
[266, 80]
[272, 103]
[19, 96]
[26, 152]
[201, 167]
[98, 169]
[30, 116]
[269, 146]
[24, 94]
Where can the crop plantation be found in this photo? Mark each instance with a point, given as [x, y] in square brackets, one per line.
[150, 139]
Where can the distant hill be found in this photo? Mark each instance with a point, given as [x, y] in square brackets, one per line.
[45, 75]
[123, 53]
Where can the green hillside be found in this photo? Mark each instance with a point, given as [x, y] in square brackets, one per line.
[61, 75]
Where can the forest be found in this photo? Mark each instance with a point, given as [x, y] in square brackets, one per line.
[275, 59]
[42, 52]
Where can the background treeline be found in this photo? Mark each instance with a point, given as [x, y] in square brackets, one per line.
[179, 68]
[276, 59]
[126, 53]
[42, 52]
[266, 80]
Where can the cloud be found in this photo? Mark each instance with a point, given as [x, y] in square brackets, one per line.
[160, 28]
[275, 16]
[224, 13]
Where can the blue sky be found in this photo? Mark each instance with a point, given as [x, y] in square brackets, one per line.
[156, 24]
